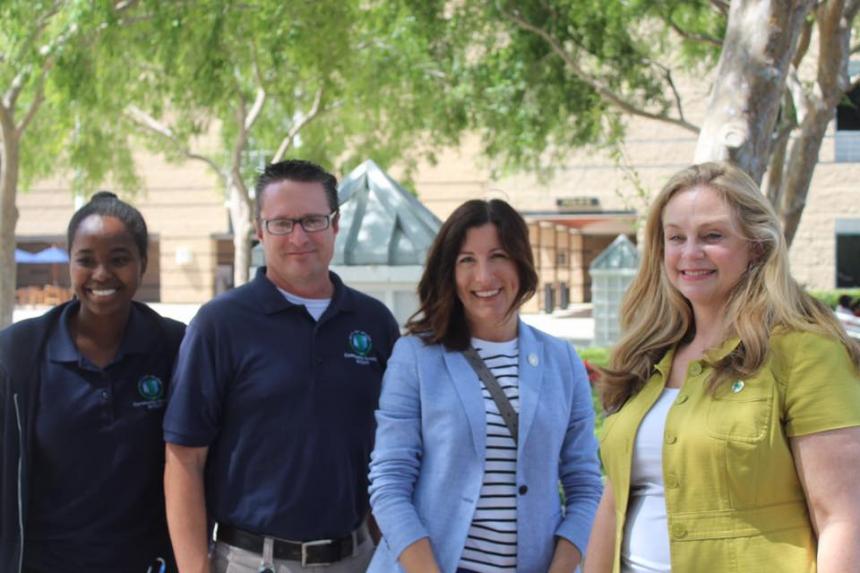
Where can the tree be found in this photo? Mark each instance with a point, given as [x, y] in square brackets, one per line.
[253, 80]
[56, 96]
[538, 77]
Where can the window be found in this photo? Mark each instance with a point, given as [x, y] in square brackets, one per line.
[847, 138]
[847, 253]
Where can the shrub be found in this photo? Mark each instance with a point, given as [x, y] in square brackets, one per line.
[831, 297]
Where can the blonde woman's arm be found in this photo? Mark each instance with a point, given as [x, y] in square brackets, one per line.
[601, 544]
[828, 464]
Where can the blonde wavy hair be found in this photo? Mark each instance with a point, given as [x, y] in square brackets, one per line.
[655, 316]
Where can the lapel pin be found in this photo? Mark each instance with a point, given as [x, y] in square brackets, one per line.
[533, 359]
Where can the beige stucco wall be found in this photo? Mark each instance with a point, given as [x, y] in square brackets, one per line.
[182, 206]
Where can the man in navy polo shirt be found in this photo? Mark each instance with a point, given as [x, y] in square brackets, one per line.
[270, 423]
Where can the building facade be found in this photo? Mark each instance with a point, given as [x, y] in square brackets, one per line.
[589, 201]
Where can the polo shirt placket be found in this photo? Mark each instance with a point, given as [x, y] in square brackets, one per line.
[90, 417]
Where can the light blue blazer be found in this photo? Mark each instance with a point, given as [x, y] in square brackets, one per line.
[427, 467]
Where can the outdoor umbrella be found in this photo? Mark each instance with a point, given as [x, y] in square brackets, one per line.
[23, 257]
[51, 256]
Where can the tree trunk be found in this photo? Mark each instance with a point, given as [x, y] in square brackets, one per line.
[9, 164]
[243, 226]
[761, 37]
[834, 20]
[801, 166]
[776, 169]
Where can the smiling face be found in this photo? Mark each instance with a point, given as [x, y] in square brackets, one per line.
[487, 284]
[105, 266]
[297, 262]
[705, 254]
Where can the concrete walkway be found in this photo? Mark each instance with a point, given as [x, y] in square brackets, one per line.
[574, 324]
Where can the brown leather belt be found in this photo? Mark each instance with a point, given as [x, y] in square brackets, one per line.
[318, 552]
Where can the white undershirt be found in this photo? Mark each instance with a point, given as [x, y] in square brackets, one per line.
[491, 545]
[316, 306]
[645, 546]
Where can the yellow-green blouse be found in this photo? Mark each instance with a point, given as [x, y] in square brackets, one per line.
[733, 497]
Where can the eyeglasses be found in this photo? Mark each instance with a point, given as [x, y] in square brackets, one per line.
[310, 224]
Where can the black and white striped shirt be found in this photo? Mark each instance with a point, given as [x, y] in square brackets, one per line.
[492, 542]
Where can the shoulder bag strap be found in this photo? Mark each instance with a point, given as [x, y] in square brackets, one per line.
[509, 415]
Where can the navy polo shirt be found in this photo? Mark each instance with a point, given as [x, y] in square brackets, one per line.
[96, 497]
[285, 405]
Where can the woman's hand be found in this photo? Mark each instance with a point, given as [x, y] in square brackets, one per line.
[828, 464]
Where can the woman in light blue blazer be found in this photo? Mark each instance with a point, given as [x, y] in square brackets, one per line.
[481, 418]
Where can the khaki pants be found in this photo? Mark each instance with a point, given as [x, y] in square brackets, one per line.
[230, 559]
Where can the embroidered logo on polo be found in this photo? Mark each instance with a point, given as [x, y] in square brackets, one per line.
[151, 389]
[360, 345]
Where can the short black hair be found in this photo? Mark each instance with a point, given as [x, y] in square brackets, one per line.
[107, 204]
[845, 300]
[296, 170]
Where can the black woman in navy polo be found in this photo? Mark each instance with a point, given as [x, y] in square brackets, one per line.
[83, 391]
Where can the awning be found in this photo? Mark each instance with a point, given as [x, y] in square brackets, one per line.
[49, 256]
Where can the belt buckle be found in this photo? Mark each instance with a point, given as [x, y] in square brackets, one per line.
[306, 544]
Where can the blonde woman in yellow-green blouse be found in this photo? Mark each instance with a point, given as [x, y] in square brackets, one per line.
[733, 443]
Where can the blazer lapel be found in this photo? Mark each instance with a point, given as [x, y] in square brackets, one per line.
[468, 387]
[531, 368]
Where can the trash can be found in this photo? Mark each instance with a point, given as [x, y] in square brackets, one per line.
[548, 298]
[563, 295]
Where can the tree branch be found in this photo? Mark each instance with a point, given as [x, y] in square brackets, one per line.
[606, 93]
[701, 38]
[675, 93]
[146, 121]
[779, 150]
[801, 97]
[20, 80]
[38, 27]
[246, 122]
[42, 23]
[38, 99]
[6, 123]
[15, 87]
[124, 5]
[803, 43]
[833, 20]
[256, 108]
[721, 5]
[313, 112]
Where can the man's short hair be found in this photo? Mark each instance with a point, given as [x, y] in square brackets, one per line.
[296, 170]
